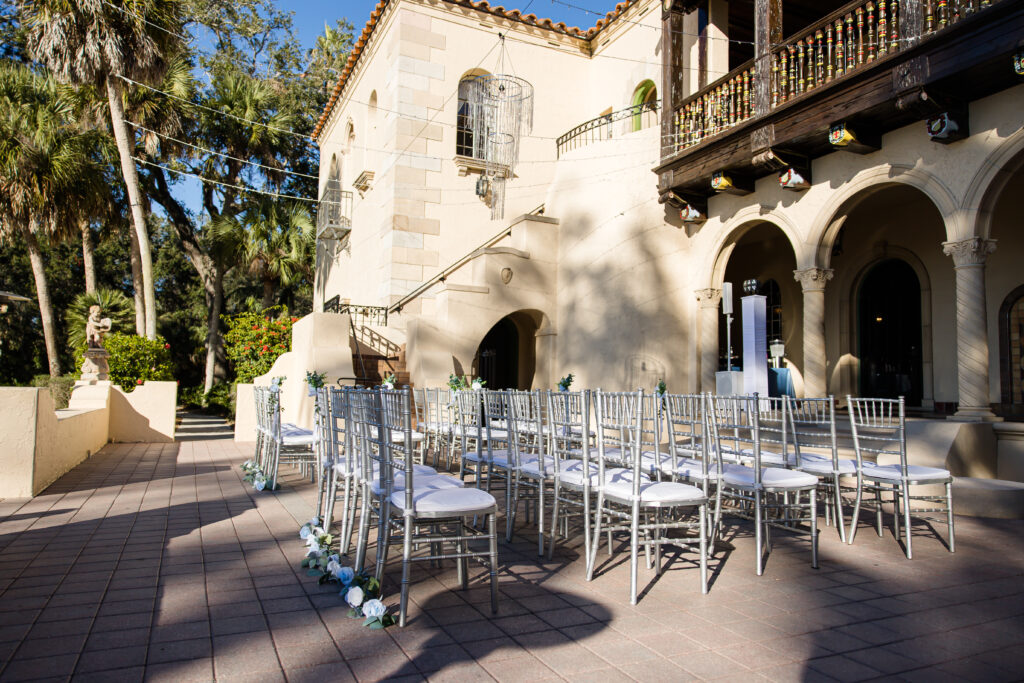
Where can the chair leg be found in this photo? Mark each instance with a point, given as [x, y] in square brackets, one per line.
[492, 528]
[949, 516]
[592, 558]
[758, 532]
[814, 528]
[634, 551]
[586, 522]
[554, 520]
[406, 561]
[364, 532]
[513, 508]
[878, 510]
[540, 516]
[906, 518]
[704, 548]
[896, 512]
[856, 510]
[838, 500]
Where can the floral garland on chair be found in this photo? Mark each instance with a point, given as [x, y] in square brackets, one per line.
[359, 590]
[254, 475]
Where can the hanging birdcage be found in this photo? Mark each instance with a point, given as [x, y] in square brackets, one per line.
[500, 114]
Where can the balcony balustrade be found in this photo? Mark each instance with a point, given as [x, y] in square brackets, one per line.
[334, 214]
[843, 43]
[608, 126]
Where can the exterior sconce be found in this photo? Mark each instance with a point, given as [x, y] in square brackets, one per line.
[946, 128]
[791, 179]
[483, 186]
[691, 214]
[750, 286]
[1018, 63]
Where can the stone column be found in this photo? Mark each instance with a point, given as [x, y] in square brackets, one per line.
[708, 300]
[813, 282]
[971, 326]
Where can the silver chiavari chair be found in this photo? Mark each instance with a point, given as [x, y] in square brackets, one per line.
[288, 444]
[692, 451]
[771, 496]
[813, 427]
[627, 499]
[533, 469]
[879, 430]
[430, 515]
[575, 473]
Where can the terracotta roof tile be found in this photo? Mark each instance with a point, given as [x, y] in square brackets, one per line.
[481, 6]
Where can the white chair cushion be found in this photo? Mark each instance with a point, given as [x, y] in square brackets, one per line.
[431, 427]
[531, 466]
[656, 492]
[823, 465]
[894, 473]
[691, 468]
[418, 470]
[496, 434]
[293, 435]
[399, 437]
[499, 456]
[769, 457]
[771, 477]
[437, 481]
[452, 501]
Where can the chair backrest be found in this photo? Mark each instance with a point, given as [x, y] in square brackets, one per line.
[879, 428]
[568, 427]
[737, 418]
[687, 428]
[419, 400]
[397, 444]
[774, 427]
[439, 404]
[469, 421]
[812, 424]
[367, 438]
[320, 417]
[339, 428]
[618, 419]
[652, 429]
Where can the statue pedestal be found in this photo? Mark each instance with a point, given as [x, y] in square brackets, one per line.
[95, 366]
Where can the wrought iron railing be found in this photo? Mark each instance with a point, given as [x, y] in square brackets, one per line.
[360, 315]
[617, 123]
[334, 214]
[846, 41]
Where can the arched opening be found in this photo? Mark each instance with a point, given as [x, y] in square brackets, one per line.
[506, 357]
[465, 118]
[1011, 354]
[884, 247]
[645, 98]
[372, 139]
[889, 332]
[764, 253]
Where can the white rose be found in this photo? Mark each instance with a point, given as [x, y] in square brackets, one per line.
[354, 596]
[388, 385]
[477, 386]
[374, 608]
[332, 566]
[260, 483]
[304, 532]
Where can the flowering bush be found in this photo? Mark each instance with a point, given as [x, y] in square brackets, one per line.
[254, 341]
[134, 360]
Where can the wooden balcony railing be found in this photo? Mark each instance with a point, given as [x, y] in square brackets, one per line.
[334, 214]
[847, 40]
[608, 126]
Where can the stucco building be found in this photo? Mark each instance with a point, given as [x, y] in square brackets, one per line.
[861, 160]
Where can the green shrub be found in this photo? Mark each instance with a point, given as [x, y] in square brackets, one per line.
[254, 341]
[60, 388]
[220, 400]
[134, 360]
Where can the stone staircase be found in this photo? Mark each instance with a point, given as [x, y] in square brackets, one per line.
[374, 357]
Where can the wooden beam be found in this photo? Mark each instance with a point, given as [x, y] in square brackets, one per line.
[767, 33]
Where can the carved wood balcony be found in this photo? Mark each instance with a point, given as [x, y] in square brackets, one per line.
[869, 67]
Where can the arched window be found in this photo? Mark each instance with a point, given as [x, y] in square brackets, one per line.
[773, 320]
[645, 99]
[371, 137]
[465, 144]
[1011, 352]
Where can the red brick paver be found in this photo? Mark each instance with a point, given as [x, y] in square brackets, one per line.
[157, 562]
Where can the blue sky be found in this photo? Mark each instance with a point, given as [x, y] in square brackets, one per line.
[310, 15]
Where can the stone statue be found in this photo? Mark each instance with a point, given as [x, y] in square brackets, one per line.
[95, 328]
[95, 366]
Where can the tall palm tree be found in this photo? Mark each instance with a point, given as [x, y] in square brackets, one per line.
[41, 155]
[97, 42]
[273, 240]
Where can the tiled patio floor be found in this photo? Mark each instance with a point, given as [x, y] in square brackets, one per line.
[158, 562]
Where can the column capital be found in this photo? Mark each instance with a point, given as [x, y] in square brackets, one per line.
[813, 279]
[708, 298]
[972, 251]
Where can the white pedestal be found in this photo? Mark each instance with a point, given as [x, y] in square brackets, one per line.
[755, 345]
[728, 383]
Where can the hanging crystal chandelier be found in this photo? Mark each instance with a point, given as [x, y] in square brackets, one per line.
[500, 113]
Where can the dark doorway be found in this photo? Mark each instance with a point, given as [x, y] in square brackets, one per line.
[498, 356]
[889, 322]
